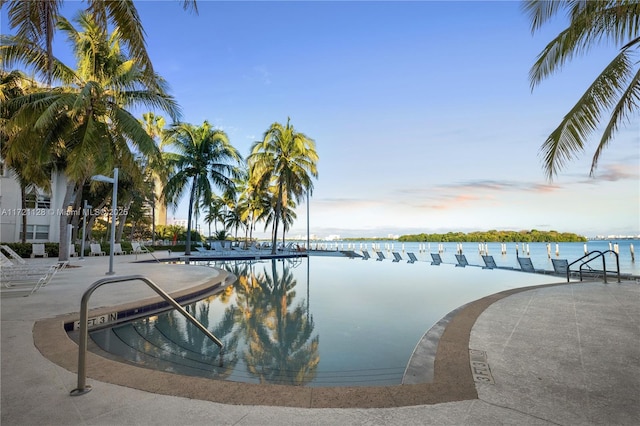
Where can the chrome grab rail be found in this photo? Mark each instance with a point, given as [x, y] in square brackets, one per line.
[598, 254]
[84, 318]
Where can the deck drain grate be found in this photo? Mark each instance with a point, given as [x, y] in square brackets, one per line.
[480, 367]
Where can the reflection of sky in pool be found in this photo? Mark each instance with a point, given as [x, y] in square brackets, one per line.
[323, 322]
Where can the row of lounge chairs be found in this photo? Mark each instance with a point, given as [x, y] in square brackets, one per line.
[136, 248]
[560, 266]
[19, 277]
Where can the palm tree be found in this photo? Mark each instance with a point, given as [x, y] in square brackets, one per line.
[286, 160]
[155, 172]
[36, 21]
[616, 90]
[15, 84]
[83, 127]
[204, 159]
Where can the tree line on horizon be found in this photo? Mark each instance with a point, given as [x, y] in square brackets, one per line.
[494, 236]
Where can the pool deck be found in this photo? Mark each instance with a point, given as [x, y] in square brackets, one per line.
[566, 354]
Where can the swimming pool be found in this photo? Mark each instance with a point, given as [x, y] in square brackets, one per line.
[318, 321]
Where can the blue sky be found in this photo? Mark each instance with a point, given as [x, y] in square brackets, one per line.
[422, 112]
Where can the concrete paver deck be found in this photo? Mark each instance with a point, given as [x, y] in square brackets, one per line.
[566, 354]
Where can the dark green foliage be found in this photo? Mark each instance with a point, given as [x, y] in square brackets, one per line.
[493, 236]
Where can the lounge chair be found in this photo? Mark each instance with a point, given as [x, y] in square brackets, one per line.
[138, 248]
[560, 266]
[462, 260]
[16, 258]
[38, 250]
[437, 260]
[117, 249]
[412, 258]
[365, 255]
[26, 278]
[96, 250]
[489, 262]
[380, 255]
[525, 264]
[396, 257]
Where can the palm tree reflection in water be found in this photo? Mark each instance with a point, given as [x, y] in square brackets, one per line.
[259, 326]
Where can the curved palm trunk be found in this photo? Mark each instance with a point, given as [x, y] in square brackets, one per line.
[63, 247]
[187, 250]
[122, 219]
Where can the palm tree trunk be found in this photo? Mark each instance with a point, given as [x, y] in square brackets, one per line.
[122, 219]
[187, 250]
[63, 247]
[23, 205]
[276, 220]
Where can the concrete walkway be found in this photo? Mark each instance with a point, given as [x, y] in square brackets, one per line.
[566, 354]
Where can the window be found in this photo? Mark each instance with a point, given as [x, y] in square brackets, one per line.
[36, 232]
[38, 201]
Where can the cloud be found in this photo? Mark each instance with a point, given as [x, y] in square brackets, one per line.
[616, 172]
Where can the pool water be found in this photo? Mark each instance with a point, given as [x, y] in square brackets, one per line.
[318, 321]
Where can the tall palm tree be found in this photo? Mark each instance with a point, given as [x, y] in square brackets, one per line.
[36, 21]
[83, 127]
[615, 91]
[286, 160]
[154, 171]
[204, 159]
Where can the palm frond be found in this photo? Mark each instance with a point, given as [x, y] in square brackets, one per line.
[626, 106]
[568, 138]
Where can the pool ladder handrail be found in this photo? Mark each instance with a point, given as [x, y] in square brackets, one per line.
[84, 318]
[589, 257]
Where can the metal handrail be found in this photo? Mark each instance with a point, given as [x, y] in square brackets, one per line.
[590, 259]
[84, 318]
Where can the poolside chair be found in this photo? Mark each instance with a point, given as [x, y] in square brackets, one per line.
[365, 255]
[117, 249]
[380, 255]
[26, 278]
[437, 260]
[38, 250]
[412, 258]
[138, 248]
[462, 260]
[489, 262]
[525, 264]
[96, 250]
[560, 266]
[14, 256]
[396, 257]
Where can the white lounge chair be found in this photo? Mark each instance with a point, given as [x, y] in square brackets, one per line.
[38, 250]
[96, 250]
[138, 248]
[396, 257]
[26, 279]
[117, 249]
[16, 258]
[412, 258]
[462, 260]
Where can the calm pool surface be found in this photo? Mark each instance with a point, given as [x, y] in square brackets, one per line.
[321, 321]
